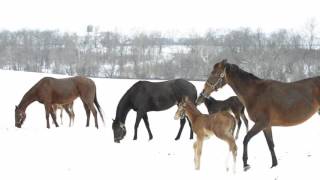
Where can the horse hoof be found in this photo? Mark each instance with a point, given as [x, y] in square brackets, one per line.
[246, 167]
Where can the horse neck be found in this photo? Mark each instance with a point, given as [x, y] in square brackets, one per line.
[123, 108]
[240, 85]
[192, 112]
[27, 99]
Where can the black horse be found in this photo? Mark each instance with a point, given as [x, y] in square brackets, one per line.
[231, 104]
[145, 96]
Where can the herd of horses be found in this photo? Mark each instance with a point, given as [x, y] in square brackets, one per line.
[268, 103]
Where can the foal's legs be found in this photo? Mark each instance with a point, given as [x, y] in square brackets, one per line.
[232, 148]
[70, 113]
[197, 146]
[146, 122]
[257, 127]
[268, 135]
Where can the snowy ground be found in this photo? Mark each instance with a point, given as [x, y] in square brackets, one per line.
[34, 152]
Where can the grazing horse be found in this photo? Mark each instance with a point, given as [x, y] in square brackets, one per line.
[68, 108]
[50, 91]
[232, 104]
[268, 102]
[145, 96]
[220, 124]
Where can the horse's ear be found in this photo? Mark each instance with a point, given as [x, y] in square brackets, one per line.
[224, 61]
[16, 107]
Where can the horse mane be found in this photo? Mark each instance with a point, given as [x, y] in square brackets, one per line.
[240, 73]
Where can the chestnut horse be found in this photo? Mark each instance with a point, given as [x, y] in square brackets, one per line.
[68, 108]
[268, 102]
[232, 104]
[50, 91]
[220, 124]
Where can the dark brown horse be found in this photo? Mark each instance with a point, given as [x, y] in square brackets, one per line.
[268, 102]
[232, 104]
[50, 91]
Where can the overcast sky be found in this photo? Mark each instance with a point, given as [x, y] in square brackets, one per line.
[182, 16]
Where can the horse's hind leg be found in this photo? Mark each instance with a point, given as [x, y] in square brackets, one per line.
[87, 113]
[232, 148]
[182, 122]
[94, 112]
[146, 122]
[268, 135]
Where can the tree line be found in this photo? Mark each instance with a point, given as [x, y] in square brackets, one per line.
[282, 55]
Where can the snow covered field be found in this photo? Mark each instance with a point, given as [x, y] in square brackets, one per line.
[35, 152]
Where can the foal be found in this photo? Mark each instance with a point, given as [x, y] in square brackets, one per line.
[221, 124]
[232, 104]
[68, 108]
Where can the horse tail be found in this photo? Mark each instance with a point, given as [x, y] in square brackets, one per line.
[98, 107]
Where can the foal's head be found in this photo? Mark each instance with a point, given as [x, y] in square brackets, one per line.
[20, 116]
[215, 81]
[181, 112]
[119, 131]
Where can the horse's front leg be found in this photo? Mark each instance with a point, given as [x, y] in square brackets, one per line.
[146, 122]
[136, 125]
[182, 122]
[54, 117]
[258, 126]
[47, 109]
[268, 135]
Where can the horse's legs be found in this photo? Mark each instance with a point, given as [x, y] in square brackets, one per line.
[47, 108]
[190, 125]
[70, 114]
[146, 122]
[257, 127]
[136, 125]
[87, 112]
[237, 117]
[61, 112]
[245, 120]
[54, 117]
[268, 135]
[94, 112]
[232, 148]
[197, 146]
[182, 122]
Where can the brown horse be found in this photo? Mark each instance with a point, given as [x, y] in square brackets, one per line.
[68, 108]
[221, 124]
[232, 104]
[268, 102]
[50, 91]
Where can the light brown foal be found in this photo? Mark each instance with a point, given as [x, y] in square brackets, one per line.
[68, 108]
[221, 124]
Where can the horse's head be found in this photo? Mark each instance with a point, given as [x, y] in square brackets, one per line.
[119, 131]
[181, 109]
[20, 116]
[215, 81]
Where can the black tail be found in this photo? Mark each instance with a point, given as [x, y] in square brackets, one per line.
[98, 107]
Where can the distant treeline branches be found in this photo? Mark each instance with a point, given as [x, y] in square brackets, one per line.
[283, 55]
